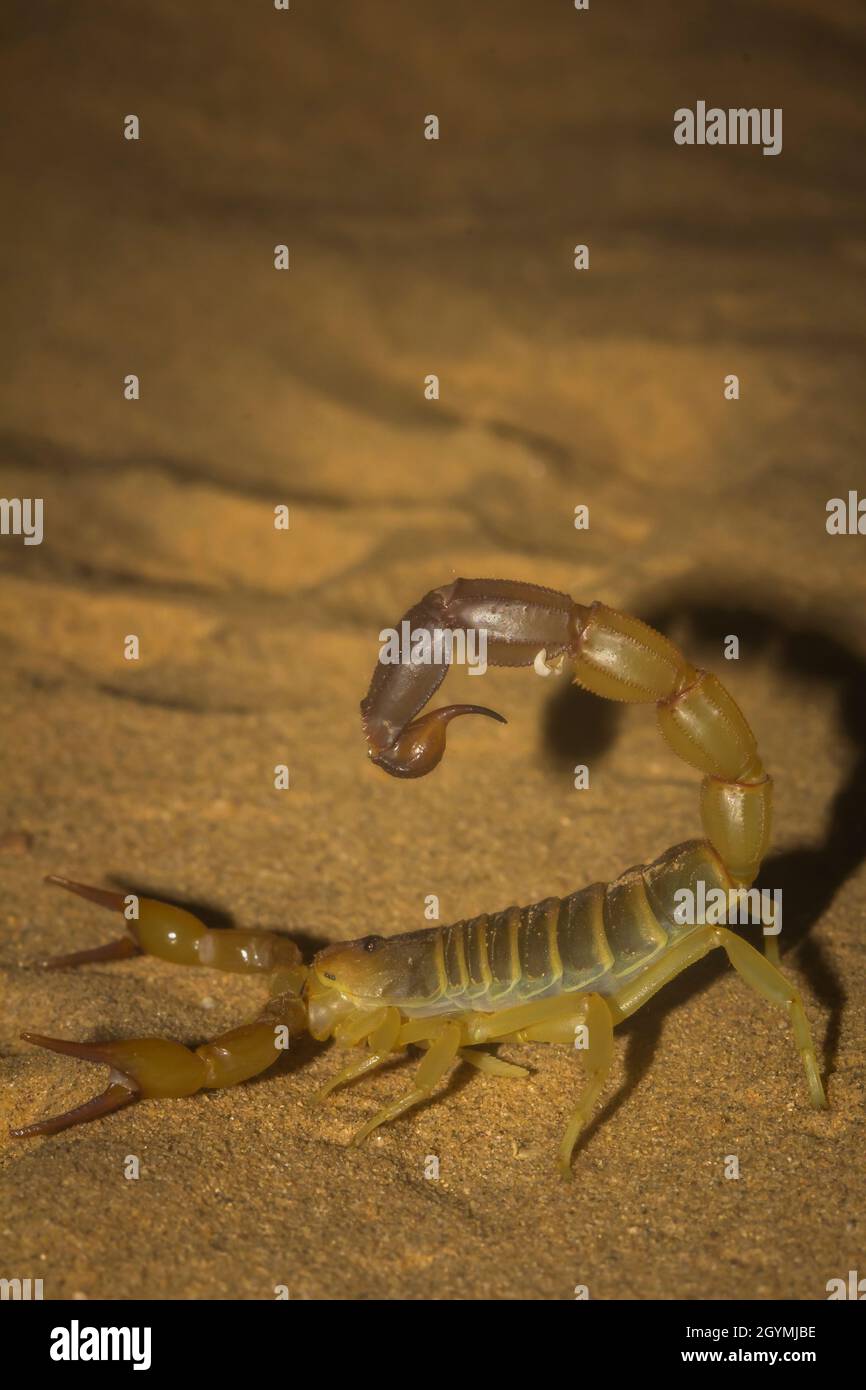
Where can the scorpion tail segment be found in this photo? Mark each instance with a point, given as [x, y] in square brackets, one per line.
[421, 746]
[518, 620]
[511, 622]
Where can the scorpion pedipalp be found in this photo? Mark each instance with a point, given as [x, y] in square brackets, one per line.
[114, 1097]
[146, 1068]
[131, 1066]
[122, 948]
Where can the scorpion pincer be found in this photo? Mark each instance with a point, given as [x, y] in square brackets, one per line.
[531, 975]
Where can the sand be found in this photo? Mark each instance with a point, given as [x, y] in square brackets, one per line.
[305, 388]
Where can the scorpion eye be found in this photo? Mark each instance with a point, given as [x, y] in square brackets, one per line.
[371, 942]
[329, 976]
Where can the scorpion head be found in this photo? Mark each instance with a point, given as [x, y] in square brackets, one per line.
[356, 969]
[378, 970]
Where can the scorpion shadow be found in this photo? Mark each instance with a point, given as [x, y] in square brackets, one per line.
[809, 875]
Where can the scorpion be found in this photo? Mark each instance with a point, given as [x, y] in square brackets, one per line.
[546, 973]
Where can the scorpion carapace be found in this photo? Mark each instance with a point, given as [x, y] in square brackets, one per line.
[562, 970]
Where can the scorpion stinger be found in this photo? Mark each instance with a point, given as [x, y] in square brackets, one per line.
[421, 745]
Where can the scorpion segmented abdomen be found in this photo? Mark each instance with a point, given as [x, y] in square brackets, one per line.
[595, 939]
[506, 958]
[686, 867]
[541, 966]
[642, 907]
[582, 942]
[481, 959]
[498, 959]
[634, 933]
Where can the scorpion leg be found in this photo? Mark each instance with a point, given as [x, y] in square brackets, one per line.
[492, 1065]
[418, 1031]
[755, 969]
[369, 1061]
[599, 1056]
[763, 976]
[381, 1042]
[444, 1047]
[557, 1022]
[515, 1024]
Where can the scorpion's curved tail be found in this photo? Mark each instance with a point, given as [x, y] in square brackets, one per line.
[144, 1068]
[612, 655]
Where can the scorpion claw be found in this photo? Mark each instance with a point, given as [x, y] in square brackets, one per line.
[120, 1091]
[112, 1098]
[141, 1068]
[121, 949]
[421, 745]
[88, 1052]
[105, 897]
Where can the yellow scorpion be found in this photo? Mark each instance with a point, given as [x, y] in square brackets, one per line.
[556, 971]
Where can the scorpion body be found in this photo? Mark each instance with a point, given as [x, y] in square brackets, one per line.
[551, 972]
[599, 937]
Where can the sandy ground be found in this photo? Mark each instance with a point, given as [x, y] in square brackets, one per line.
[558, 388]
